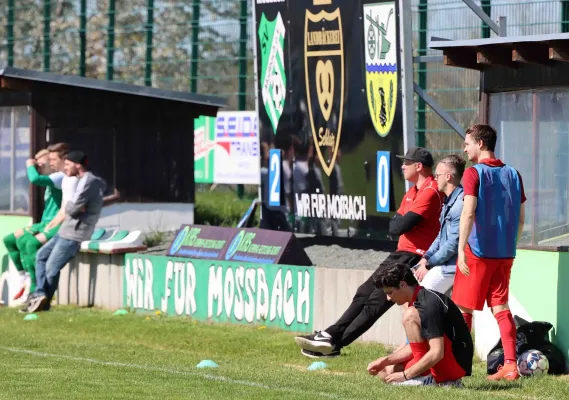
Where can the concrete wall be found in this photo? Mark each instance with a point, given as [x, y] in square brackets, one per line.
[92, 280]
[334, 290]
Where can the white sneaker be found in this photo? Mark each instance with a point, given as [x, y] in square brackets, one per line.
[427, 380]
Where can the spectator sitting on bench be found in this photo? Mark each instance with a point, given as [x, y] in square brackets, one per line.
[68, 184]
[81, 215]
[23, 244]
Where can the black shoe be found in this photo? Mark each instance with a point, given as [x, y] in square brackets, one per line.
[316, 343]
[314, 354]
[37, 304]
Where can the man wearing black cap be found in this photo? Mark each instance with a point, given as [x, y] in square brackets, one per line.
[417, 225]
[82, 214]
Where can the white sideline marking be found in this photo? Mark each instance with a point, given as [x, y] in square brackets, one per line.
[171, 371]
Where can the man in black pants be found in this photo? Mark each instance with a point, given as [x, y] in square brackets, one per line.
[417, 225]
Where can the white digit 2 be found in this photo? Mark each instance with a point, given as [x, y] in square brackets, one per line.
[275, 167]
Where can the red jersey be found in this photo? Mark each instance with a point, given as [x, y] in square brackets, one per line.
[427, 202]
[471, 180]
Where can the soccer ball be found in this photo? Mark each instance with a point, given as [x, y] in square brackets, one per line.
[533, 363]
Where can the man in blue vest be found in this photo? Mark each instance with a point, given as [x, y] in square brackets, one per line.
[490, 226]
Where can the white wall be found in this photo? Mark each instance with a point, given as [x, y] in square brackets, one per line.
[147, 217]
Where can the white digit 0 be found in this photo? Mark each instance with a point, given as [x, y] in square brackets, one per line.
[383, 182]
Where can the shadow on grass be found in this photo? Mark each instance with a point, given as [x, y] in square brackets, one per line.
[494, 386]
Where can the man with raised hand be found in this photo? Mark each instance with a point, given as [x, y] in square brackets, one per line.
[490, 227]
[417, 225]
[57, 154]
[23, 244]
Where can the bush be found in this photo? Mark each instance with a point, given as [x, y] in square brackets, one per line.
[153, 239]
[220, 209]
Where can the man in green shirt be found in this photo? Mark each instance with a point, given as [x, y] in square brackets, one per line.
[23, 244]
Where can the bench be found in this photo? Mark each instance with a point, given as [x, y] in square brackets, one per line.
[94, 276]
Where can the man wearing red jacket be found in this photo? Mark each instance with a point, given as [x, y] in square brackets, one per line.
[417, 225]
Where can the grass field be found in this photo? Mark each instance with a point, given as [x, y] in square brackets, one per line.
[71, 353]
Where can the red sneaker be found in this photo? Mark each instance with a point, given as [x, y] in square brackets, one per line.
[508, 372]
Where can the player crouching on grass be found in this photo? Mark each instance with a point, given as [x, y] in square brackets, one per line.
[440, 349]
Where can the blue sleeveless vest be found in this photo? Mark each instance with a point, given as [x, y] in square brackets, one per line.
[495, 228]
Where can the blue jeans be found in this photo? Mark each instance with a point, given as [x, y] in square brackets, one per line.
[50, 260]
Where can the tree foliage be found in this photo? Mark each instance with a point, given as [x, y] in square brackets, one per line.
[217, 54]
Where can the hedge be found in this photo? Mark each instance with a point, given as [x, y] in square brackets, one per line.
[220, 209]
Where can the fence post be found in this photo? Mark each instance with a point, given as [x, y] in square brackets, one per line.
[149, 33]
[242, 85]
[195, 46]
[82, 38]
[487, 8]
[565, 16]
[242, 95]
[10, 33]
[111, 40]
[46, 35]
[422, 116]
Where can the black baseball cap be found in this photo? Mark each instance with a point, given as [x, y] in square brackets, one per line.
[78, 157]
[419, 154]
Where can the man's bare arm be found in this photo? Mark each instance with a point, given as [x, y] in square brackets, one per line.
[113, 198]
[400, 356]
[466, 220]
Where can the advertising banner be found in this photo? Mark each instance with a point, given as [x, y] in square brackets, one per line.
[338, 62]
[279, 296]
[226, 148]
[239, 244]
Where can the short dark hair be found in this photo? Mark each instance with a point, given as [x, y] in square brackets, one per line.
[77, 157]
[455, 162]
[485, 134]
[392, 275]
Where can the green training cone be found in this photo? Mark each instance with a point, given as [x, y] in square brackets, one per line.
[31, 317]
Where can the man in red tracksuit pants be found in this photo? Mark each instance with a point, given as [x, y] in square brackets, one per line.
[490, 226]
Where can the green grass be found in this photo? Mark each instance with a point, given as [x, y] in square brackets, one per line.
[90, 354]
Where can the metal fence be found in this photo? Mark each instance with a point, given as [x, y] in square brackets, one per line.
[203, 46]
[456, 89]
[206, 46]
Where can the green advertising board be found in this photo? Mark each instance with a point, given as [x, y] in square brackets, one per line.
[279, 296]
[204, 143]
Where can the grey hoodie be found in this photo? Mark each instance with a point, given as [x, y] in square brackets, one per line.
[83, 210]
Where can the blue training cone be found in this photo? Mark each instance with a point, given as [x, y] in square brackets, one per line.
[207, 364]
[317, 365]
